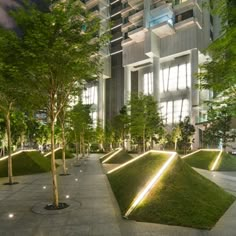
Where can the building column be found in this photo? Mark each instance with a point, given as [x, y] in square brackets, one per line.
[156, 79]
[194, 94]
[127, 85]
[101, 101]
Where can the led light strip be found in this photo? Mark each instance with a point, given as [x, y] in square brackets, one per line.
[216, 161]
[18, 152]
[136, 158]
[107, 154]
[207, 150]
[150, 185]
[51, 152]
[119, 149]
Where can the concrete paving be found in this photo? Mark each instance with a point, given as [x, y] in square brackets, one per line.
[93, 209]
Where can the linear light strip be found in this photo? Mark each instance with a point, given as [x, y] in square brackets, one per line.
[207, 150]
[119, 149]
[127, 163]
[51, 152]
[190, 154]
[216, 161]
[18, 152]
[106, 154]
[136, 158]
[150, 185]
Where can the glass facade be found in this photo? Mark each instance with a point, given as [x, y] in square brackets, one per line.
[148, 83]
[175, 77]
[90, 97]
[174, 111]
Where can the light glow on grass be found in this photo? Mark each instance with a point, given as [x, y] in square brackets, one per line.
[216, 161]
[51, 152]
[18, 152]
[136, 158]
[118, 150]
[207, 150]
[152, 182]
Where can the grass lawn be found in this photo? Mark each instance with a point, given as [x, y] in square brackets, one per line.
[129, 180]
[58, 154]
[120, 158]
[227, 162]
[202, 159]
[107, 155]
[26, 163]
[183, 197]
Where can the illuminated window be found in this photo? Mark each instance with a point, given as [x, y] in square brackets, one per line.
[90, 95]
[174, 111]
[148, 83]
[175, 78]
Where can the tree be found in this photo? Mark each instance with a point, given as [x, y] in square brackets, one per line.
[187, 132]
[218, 127]
[18, 121]
[219, 72]
[176, 135]
[58, 54]
[11, 94]
[121, 124]
[81, 123]
[145, 120]
[100, 136]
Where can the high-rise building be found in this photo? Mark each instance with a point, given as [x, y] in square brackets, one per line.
[156, 49]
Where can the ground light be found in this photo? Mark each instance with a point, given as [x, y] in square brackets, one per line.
[18, 152]
[51, 152]
[118, 150]
[152, 182]
[10, 215]
[105, 155]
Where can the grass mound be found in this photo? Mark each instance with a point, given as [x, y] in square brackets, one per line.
[104, 157]
[183, 197]
[120, 158]
[58, 154]
[26, 163]
[227, 162]
[129, 180]
[202, 159]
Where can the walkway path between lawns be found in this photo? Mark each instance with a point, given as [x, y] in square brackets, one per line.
[93, 209]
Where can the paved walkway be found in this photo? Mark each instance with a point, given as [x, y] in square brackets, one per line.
[93, 209]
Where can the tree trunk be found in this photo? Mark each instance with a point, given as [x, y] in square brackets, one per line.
[53, 163]
[8, 124]
[63, 148]
[175, 145]
[144, 140]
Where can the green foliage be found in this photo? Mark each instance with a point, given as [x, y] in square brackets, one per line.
[127, 182]
[18, 126]
[145, 120]
[187, 132]
[219, 73]
[227, 162]
[26, 163]
[185, 198]
[58, 154]
[121, 124]
[218, 127]
[202, 159]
